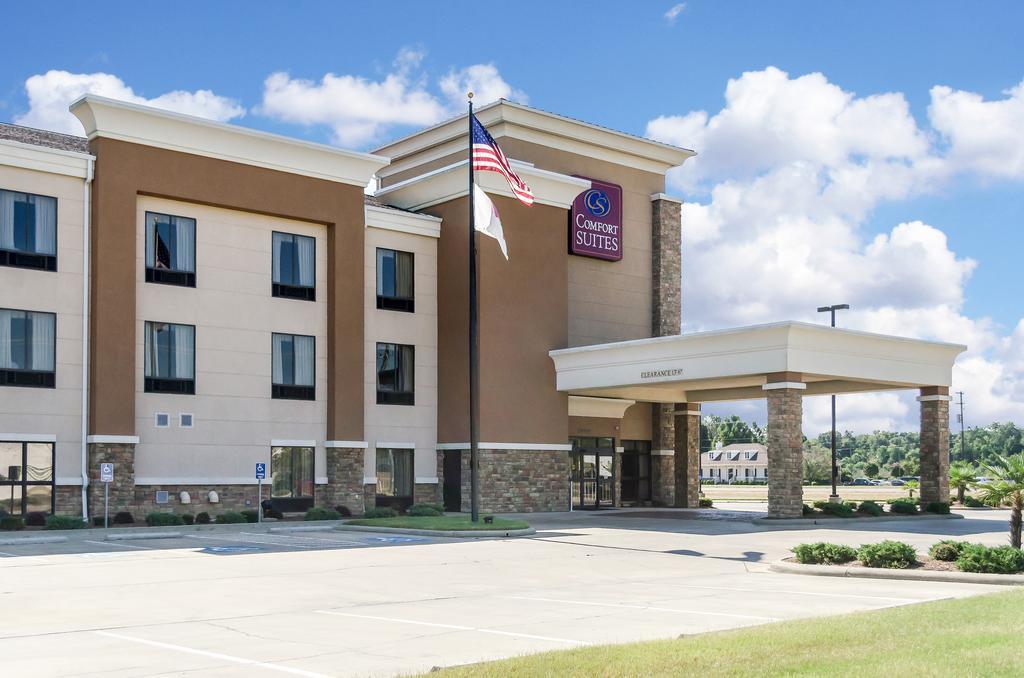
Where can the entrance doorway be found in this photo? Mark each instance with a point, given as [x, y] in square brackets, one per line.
[635, 486]
[592, 470]
[452, 475]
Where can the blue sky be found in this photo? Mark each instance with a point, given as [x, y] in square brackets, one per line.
[629, 66]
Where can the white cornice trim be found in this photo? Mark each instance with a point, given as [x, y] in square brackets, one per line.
[450, 183]
[321, 480]
[122, 440]
[688, 413]
[666, 197]
[369, 480]
[201, 482]
[27, 438]
[608, 408]
[103, 117]
[528, 447]
[426, 480]
[663, 453]
[776, 385]
[292, 443]
[349, 444]
[43, 159]
[394, 446]
[934, 398]
[403, 222]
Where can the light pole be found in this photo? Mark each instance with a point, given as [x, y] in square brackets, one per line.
[835, 463]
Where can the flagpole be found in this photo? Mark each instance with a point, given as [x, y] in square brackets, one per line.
[474, 346]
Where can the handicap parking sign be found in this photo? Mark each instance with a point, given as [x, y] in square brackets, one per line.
[106, 473]
[261, 471]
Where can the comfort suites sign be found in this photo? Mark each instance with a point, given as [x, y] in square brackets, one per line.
[595, 222]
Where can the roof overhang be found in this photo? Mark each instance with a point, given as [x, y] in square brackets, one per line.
[403, 222]
[735, 364]
[449, 183]
[109, 118]
[44, 159]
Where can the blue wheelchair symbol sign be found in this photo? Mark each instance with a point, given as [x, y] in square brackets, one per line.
[261, 471]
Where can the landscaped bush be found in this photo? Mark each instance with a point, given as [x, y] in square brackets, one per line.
[820, 504]
[423, 510]
[343, 511]
[824, 553]
[188, 518]
[322, 513]
[903, 506]
[807, 510]
[971, 502]
[838, 510]
[35, 519]
[940, 507]
[382, 512]
[160, 519]
[230, 518]
[889, 554]
[705, 502]
[947, 549]
[64, 523]
[202, 518]
[12, 523]
[251, 515]
[989, 559]
[123, 518]
[870, 508]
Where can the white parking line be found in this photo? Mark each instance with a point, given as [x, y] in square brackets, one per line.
[454, 627]
[640, 607]
[214, 655]
[121, 546]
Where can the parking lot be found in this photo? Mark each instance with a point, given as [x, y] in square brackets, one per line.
[333, 603]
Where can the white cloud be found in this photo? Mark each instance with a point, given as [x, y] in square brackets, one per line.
[484, 81]
[50, 94]
[673, 13]
[787, 174]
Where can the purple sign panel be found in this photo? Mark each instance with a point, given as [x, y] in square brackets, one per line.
[595, 226]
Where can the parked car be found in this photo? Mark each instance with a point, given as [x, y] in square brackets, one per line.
[861, 481]
[898, 481]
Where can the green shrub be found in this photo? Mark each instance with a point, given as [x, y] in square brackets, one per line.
[807, 510]
[903, 506]
[947, 549]
[820, 504]
[188, 518]
[838, 510]
[870, 508]
[940, 507]
[824, 553]
[202, 518]
[12, 523]
[889, 554]
[705, 502]
[971, 502]
[423, 510]
[123, 518]
[35, 519]
[382, 512]
[160, 519]
[989, 559]
[64, 523]
[322, 513]
[251, 515]
[230, 518]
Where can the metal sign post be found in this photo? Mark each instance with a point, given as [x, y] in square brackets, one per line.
[106, 477]
[261, 473]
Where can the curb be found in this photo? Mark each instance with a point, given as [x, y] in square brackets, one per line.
[903, 575]
[799, 523]
[119, 536]
[14, 541]
[303, 528]
[463, 534]
[164, 532]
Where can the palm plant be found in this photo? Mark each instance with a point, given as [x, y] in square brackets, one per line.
[912, 485]
[961, 477]
[1006, 488]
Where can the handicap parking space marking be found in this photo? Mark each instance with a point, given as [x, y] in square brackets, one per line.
[228, 550]
[396, 540]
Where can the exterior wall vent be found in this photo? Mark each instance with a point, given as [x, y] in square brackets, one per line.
[185, 420]
[161, 496]
[163, 420]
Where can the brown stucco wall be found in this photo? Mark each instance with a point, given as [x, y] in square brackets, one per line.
[601, 427]
[124, 171]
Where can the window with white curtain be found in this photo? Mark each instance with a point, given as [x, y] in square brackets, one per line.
[294, 273]
[293, 366]
[395, 275]
[170, 249]
[28, 230]
[394, 475]
[396, 365]
[170, 362]
[27, 348]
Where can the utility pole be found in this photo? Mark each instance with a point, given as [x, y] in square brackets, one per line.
[963, 439]
[835, 460]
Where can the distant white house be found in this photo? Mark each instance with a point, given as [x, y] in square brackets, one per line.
[736, 462]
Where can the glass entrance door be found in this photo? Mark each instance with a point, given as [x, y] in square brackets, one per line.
[592, 472]
[635, 483]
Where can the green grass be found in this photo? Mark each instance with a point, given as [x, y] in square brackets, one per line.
[979, 636]
[441, 523]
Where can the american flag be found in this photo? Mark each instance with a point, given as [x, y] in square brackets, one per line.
[487, 156]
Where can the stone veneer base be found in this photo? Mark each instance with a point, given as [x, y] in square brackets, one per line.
[519, 481]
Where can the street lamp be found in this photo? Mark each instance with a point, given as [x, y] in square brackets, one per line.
[835, 465]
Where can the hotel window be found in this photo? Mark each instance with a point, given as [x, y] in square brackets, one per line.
[395, 273]
[170, 358]
[294, 266]
[26, 477]
[170, 249]
[294, 367]
[395, 365]
[27, 346]
[28, 230]
[291, 473]
[394, 477]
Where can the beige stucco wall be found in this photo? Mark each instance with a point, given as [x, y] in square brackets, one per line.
[44, 411]
[235, 418]
[415, 424]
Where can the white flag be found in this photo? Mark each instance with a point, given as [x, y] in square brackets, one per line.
[487, 221]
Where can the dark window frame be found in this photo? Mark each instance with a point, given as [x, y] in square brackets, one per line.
[397, 500]
[169, 385]
[396, 303]
[291, 290]
[25, 484]
[392, 396]
[29, 378]
[291, 391]
[35, 260]
[171, 276]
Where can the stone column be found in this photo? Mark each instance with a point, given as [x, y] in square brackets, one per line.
[934, 444]
[663, 452]
[344, 480]
[687, 455]
[519, 481]
[785, 445]
[122, 490]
